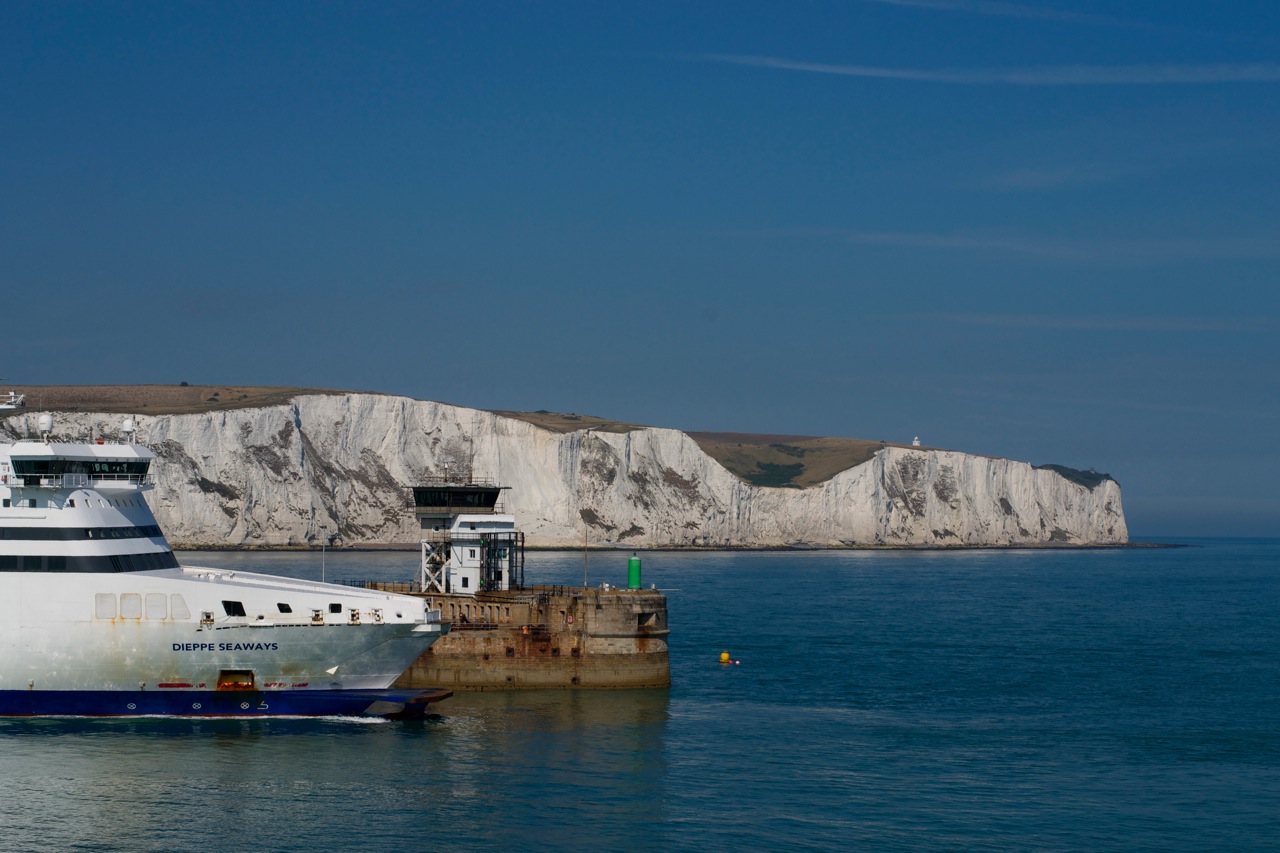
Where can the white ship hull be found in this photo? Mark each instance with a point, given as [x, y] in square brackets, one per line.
[86, 627]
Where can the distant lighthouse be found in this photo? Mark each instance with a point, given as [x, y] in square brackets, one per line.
[915, 442]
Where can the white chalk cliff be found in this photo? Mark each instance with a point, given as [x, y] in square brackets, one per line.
[275, 476]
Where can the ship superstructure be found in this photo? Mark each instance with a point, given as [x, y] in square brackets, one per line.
[97, 616]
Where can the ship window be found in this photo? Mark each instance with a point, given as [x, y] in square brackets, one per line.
[284, 608]
[6, 503]
[178, 605]
[335, 607]
[233, 608]
[466, 581]
[104, 605]
[71, 502]
[157, 605]
[31, 502]
[130, 605]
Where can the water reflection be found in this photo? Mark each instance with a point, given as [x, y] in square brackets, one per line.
[590, 763]
[583, 766]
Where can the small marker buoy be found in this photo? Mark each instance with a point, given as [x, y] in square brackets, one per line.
[724, 657]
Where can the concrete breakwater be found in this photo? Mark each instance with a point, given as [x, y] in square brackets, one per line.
[547, 637]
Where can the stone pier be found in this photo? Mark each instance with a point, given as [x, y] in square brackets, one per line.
[547, 637]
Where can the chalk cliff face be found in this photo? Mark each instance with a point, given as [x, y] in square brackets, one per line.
[276, 476]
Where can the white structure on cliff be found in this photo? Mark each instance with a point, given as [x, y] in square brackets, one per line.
[277, 475]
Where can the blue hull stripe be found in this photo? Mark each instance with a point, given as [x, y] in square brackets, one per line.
[209, 703]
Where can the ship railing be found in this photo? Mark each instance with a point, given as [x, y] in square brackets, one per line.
[78, 481]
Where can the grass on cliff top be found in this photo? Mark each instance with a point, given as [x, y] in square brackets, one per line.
[556, 422]
[158, 399]
[788, 461]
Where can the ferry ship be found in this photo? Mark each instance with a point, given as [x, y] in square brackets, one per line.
[97, 617]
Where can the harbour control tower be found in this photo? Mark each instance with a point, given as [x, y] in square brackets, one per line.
[505, 635]
[469, 544]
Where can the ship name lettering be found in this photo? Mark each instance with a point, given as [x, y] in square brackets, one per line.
[226, 647]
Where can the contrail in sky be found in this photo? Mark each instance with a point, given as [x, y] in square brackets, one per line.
[1050, 75]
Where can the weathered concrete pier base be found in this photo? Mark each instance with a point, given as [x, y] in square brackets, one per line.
[547, 637]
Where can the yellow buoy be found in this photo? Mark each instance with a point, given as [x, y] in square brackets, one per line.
[724, 657]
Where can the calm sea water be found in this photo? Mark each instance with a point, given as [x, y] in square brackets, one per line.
[1116, 700]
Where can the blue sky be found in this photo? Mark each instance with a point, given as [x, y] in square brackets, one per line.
[1041, 230]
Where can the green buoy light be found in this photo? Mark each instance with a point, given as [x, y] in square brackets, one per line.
[633, 572]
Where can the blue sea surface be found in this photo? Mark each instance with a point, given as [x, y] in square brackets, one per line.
[1122, 699]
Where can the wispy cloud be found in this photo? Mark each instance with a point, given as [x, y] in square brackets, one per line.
[1050, 75]
[1099, 154]
[1055, 177]
[1225, 325]
[1059, 399]
[1008, 10]
[957, 242]
[1084, 250]
[1141, 251]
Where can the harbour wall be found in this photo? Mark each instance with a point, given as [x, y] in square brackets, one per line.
[547, 637]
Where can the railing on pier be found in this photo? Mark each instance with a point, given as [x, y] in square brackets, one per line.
[532, 630]
[401, 587]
